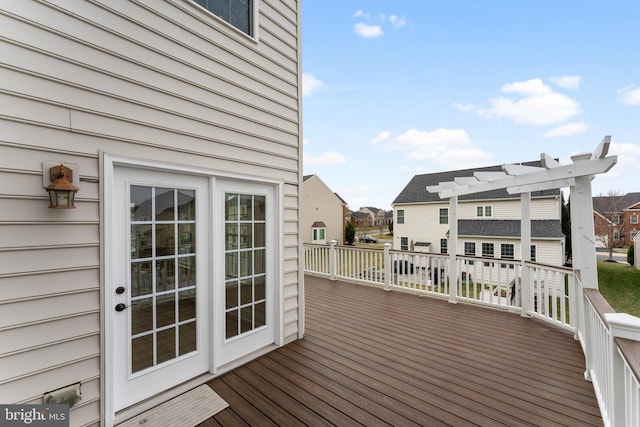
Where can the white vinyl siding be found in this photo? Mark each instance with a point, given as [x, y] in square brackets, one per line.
[541, 208]
[147, 80]
[421, 224]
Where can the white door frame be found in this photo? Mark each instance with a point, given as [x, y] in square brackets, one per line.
[107, 218]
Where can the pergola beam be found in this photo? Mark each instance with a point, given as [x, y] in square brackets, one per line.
[577, 169]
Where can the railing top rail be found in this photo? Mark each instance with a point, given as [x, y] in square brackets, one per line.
[631, 351]
[419, 253]
[599, 303]
[550, 267]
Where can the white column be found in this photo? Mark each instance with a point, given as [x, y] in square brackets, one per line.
[582, 229]
[453, 244]
[575, 247]
[526, 290]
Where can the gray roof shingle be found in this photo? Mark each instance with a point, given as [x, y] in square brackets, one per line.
[541, 228]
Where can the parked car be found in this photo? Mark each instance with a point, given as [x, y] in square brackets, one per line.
[367, 239]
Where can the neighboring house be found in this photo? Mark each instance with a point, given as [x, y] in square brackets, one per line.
[616, 219]
[181, 258]
[636, 251]
[361, 219]
[377, 215]
[323, 213]
[488, 224]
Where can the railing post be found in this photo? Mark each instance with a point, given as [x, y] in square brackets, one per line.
[453, 244]
[387, 267]
[333, 265]
[526, 287]
[621, 325]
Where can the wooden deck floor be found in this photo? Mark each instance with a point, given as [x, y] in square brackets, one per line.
[371, 358]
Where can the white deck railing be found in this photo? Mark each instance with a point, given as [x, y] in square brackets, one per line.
[609, 340]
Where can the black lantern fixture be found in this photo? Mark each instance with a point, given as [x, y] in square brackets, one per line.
[62, 193]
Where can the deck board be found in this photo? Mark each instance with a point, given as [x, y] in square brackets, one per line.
[371, 357]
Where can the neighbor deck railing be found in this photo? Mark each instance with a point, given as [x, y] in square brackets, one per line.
[609, 340]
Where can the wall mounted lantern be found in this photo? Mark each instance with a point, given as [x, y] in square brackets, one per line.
[62, 193]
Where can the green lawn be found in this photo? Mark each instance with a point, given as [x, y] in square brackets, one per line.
[619, 283]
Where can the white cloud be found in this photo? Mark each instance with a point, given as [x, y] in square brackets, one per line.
[464, 107]
[310, 84]
[567, 82]
[624, 174]
[449, 148]
[382, 136]
[329, 158]
[534, 103]
[360, 13]
[305, 141]
[533, 87]
[368, 31]
[566, 130]
[396, 21]
[629, 95]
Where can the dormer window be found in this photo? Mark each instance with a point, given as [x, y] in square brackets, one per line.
[319, 233]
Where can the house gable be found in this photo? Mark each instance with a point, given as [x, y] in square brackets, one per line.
[321, 204]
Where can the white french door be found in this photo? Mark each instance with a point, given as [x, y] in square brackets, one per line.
[159, 297]
[245, 291]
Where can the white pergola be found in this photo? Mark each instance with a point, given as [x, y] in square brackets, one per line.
[519, 179]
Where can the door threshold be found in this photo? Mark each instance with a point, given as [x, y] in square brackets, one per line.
[160, 398]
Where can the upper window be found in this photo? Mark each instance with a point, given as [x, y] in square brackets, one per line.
[238, 13]
[484, 211]
[634, 218]
[507, 252]
[400, 217]
[487, 252]
[470, 248]
[444, 216]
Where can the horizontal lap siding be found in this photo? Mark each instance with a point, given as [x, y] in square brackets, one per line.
[162, 81]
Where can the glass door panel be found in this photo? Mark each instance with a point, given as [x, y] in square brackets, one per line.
[245, 239]
[163, 275]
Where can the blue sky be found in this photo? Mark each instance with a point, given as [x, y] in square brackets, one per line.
[392, 89]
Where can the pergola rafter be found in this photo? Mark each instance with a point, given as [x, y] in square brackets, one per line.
[523, 180]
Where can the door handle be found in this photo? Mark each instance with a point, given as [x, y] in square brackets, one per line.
[120, 307]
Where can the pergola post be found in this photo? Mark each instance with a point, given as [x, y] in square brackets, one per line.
[582, 227]
[453, 243]
[526, 290]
